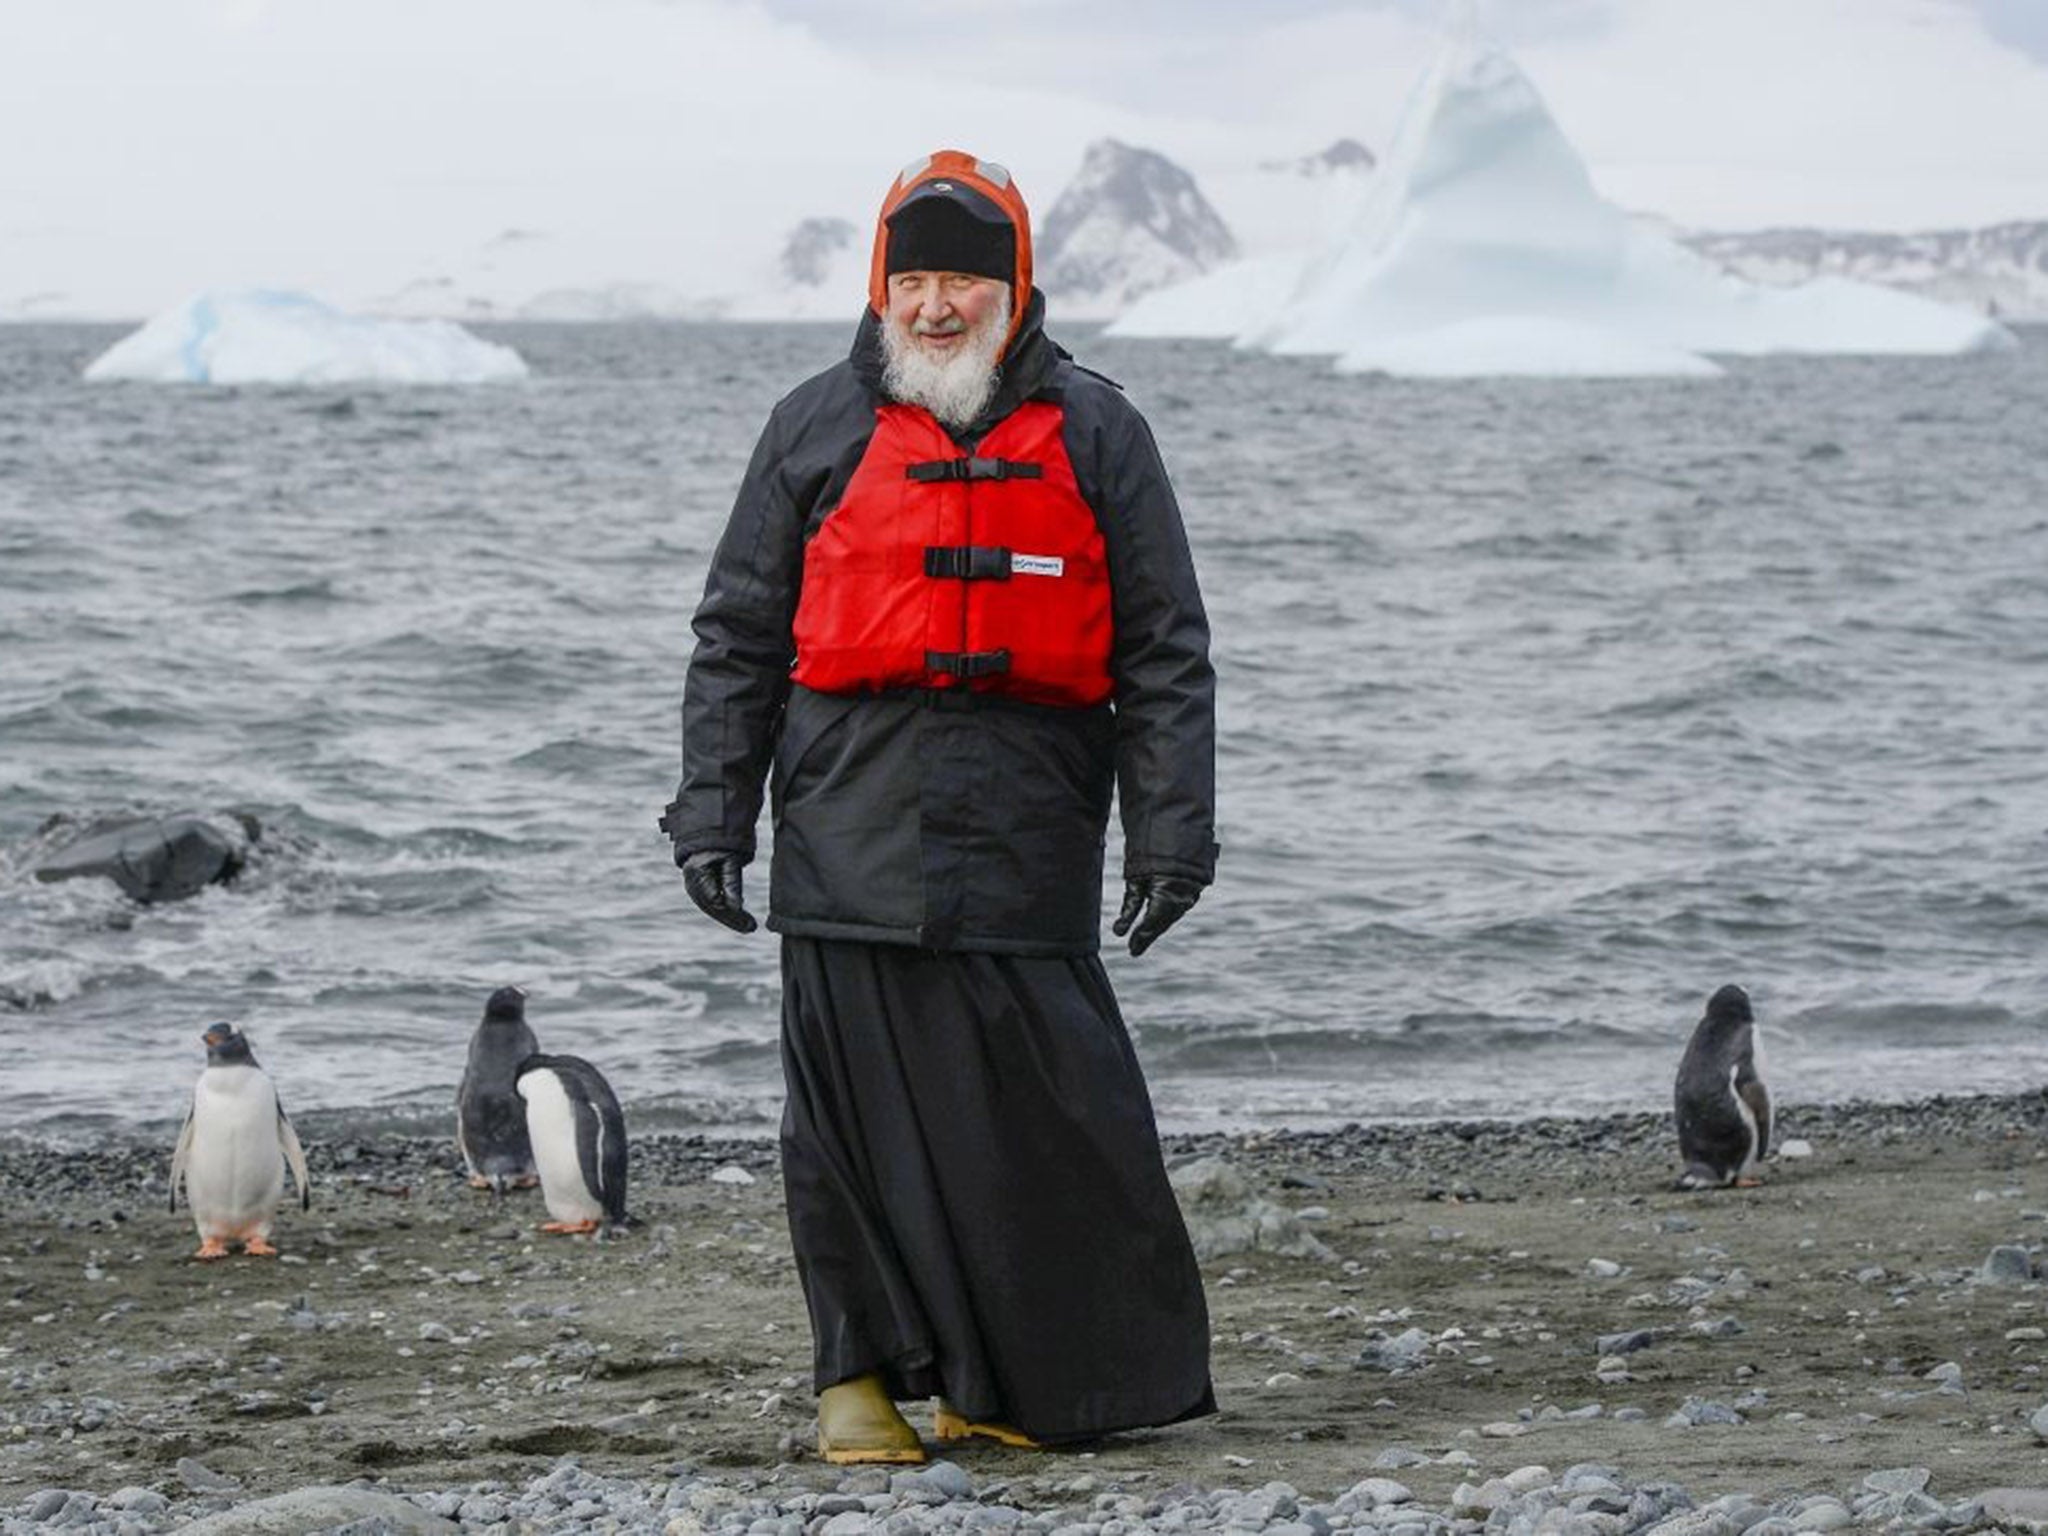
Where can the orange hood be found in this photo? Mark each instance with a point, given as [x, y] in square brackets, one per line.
[992, 182]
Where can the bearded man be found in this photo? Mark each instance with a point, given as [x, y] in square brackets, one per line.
[953, 609]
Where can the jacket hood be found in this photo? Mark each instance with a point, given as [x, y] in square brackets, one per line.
[993, 182]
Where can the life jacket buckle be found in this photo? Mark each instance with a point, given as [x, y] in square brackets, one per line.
[967, 562]
[972, 468]
[968, 664]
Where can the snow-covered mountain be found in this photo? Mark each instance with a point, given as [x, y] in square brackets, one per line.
[1345, 157]
[821, 273]
[814, 248]
[2001, 270]
[531, 274]
[1130, 222]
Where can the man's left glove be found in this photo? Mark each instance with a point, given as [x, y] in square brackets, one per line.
[1163, 899]
[712, 877]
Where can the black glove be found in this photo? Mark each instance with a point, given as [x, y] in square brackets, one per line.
[712, 877]
[1164, 899]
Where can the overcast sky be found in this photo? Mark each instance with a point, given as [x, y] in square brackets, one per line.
[156, 146]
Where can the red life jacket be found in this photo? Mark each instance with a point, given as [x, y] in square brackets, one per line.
[938, 569]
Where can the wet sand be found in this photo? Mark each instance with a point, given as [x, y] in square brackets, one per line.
[420, 1332]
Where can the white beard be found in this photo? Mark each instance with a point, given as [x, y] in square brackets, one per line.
[954, 389]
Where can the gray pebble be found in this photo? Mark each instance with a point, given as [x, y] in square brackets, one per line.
[1822, 1514]
[941, 1477]
[1395, 1457]
[139, 1501]
[1697, 1410]
[1626, 1343]
[2015, 1506]
[201, 1478]
[1695, 1522]
[2007, 1264]
[1378, 1492]
[1403, 1352]
[43, 1507]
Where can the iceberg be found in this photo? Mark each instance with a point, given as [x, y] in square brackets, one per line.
[262, 336]
[1481, 247]
[1524, 346]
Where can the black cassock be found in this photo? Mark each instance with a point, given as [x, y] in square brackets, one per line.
[975, 1189]
[976, 1194]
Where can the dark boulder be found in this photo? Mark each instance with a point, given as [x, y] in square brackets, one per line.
[157, 858]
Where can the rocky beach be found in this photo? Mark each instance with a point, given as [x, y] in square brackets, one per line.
[1419, 1329]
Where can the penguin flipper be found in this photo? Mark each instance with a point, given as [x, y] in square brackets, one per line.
[469, 1162]
[1758, 1098]
[179, 1159]
[295, 1158]
[612, 1170]
[600, 1139]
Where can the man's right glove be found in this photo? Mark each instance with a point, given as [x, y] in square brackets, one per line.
[1164, 900]
[712, 877]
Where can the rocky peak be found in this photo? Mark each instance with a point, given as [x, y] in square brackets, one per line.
[1129, 222]
[808, 253]
[1344, 157]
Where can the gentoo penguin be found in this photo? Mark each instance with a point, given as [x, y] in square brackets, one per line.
[490, 1120]
[1724, 1110]
[579, 1143]
[232, 1153]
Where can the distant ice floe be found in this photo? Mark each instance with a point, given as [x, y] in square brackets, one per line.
[261, 336]
[1482, 248]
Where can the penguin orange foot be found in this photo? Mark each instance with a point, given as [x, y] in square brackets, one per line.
[259, 1247]
[949, 1423]
[859, 1423]
[212, 1248]
[478, 1181]
[573, 1228]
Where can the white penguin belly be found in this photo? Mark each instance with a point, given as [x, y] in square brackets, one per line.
[551, 1126]
[234, 1174]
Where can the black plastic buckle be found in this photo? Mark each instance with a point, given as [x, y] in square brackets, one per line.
[967, 562]
[973, 469]
[968, 664]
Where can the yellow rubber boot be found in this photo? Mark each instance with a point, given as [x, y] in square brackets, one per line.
[857, 1422]
[949, 1423]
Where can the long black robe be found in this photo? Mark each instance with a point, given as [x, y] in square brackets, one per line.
[976, 1194]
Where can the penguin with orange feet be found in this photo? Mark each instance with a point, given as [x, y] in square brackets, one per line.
[232, 1153]
[578, 1133]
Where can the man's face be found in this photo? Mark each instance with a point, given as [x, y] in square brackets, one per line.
[941, 311]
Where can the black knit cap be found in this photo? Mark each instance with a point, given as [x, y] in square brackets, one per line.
[945, 226]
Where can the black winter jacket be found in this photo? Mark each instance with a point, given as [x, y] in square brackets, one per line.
[949, 820]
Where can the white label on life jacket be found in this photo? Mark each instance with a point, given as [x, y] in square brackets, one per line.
[1037, 565]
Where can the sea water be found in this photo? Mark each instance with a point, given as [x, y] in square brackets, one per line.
[1546, 709]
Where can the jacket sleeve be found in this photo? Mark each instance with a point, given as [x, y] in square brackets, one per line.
[738, 679]
[1165, 687]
